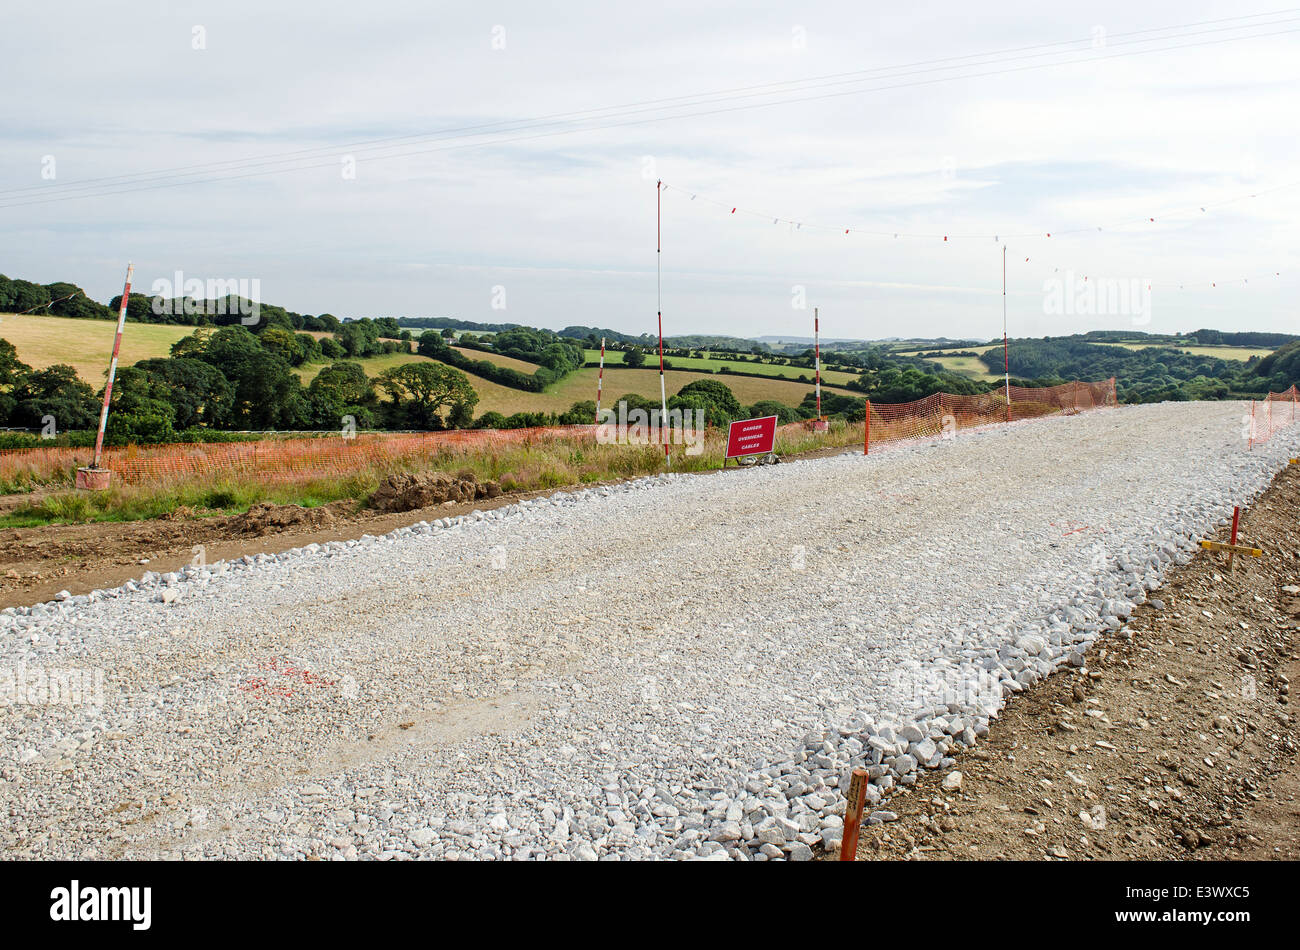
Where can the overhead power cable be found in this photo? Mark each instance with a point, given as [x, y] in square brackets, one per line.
[599, 119]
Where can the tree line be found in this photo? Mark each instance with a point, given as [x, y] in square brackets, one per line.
[1150, 374]
[228, 378]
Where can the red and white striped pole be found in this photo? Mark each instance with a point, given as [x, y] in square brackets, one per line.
[817, 359]
[659, 249]
[112, 367]
[1006, 357]
[600, 379]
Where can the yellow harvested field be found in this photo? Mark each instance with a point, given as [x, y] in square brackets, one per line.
[86, 345]
[373, 365]
[950, 349]
[971, 366]
[1242, 353]
[522, 365]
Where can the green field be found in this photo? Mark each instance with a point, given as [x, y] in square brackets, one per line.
[618, 381]
[581, 385]
[712, 363]
[970, 366]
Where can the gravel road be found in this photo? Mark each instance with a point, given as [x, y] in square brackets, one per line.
[685, 666]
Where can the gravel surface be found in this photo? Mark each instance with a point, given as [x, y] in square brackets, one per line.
[680, 667]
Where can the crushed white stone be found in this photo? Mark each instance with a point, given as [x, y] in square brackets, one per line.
[680, 667]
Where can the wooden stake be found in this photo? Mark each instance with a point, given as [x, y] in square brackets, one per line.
[1236, 517]
[1245, 550]
[853, 815]
[866, 432]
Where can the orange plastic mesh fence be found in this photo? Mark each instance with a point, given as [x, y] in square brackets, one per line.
[942, 413]
[303, 458]
[1270, 415]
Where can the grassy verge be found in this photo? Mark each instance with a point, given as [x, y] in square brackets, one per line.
[141, 502]
[556, 463]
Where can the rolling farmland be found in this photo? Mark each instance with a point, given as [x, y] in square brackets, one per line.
[85, 345]
[974, 368]
[712, 364]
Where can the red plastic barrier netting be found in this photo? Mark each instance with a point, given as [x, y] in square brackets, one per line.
[1271, 414]
[944, 413]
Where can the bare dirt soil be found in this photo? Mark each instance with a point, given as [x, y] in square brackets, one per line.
[37, 563]
[1177, 742]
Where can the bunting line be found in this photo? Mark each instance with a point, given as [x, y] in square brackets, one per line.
[987, 236]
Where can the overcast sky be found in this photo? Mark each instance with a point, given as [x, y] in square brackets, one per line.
[560, 228]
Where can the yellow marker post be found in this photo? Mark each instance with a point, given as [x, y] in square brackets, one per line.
[1232, 548]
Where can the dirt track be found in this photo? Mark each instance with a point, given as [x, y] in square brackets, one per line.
[1179, 743]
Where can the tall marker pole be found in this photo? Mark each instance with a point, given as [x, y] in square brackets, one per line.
[659, 293]
[1006, 357]
[112, 366]
[93, 477]
[817, 359]
[600, 379]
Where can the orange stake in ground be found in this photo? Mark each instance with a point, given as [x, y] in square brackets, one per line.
[853, 814]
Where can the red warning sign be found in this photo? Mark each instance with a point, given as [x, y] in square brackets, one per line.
[751, 437]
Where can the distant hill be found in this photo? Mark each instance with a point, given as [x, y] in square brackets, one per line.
[938, 342]
[452, 323]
